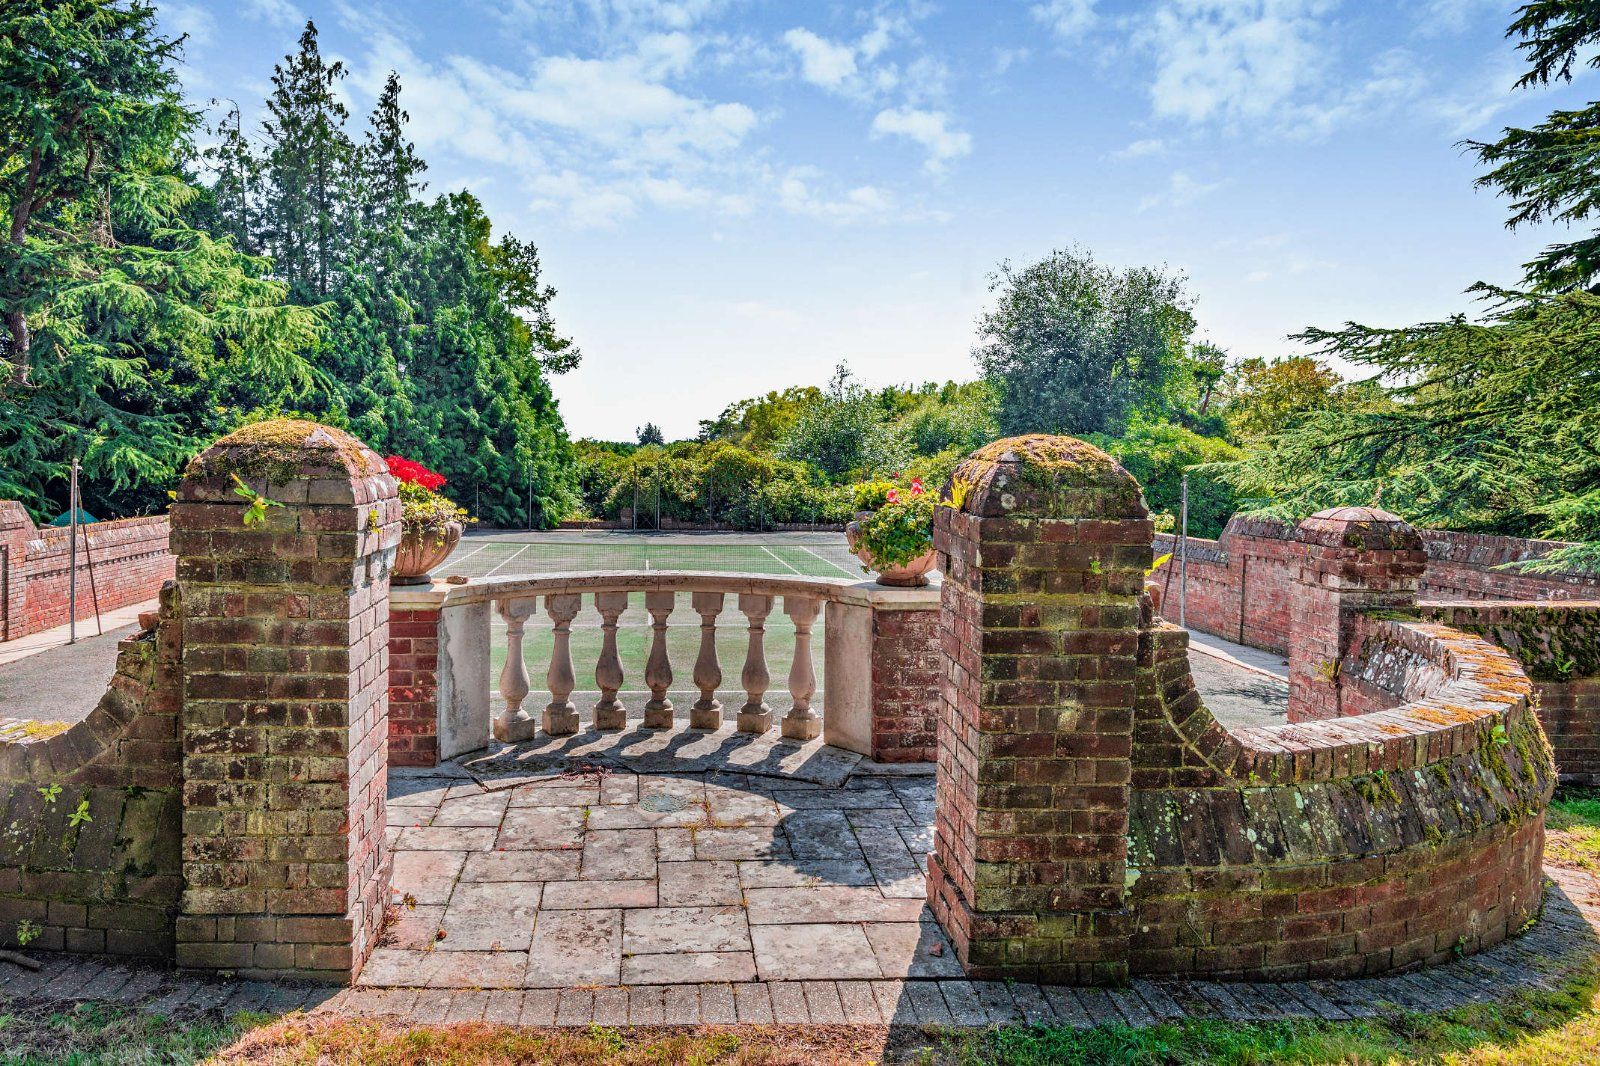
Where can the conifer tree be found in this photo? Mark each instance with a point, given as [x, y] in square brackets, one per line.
[1551, 171]
[309, 168]
[236, 188]
[1484, 424]
[131, 337]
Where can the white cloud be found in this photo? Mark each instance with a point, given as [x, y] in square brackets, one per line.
[1068, 20]
[196, 22]
[621, 17]
[1294, 264]
[280, 13]
[1139, 149]
[1452, 16]
[862, 203]
[862, 68]
[1466, 109]
[1270, 65]
[1182, 190]
[1232, 60]
[594, 138]
[823, 63]
[1006, 58]
[931, 129]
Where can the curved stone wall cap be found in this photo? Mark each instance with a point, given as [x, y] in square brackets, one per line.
[1044, 476]
[284, 450]
[1359, 527]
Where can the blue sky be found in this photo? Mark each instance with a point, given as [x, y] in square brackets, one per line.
[732, 196]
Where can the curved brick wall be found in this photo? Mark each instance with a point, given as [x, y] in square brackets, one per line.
[1095, 821]
[1350, 846]
[111, 882]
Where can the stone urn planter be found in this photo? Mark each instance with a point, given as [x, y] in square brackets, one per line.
[906, 575]
[421, 551]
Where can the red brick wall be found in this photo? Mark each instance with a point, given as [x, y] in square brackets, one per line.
[285, 703]
[1558, 645]
[1040, 616]
[413, 687]
[1239, 584]
[120, 562]
[110, 883]
[1342, 847]
[907, 668]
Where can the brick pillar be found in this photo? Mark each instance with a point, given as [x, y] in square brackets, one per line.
[285, 714]
[1045, 554]
[1352, 559]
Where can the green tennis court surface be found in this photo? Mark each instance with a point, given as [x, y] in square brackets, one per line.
[501, 554]
[497, 554]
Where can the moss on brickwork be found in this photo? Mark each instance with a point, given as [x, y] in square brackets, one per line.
[285, 449]
[1042, 476]
[1552, 643]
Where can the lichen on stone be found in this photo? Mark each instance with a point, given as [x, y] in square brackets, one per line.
[281, 450]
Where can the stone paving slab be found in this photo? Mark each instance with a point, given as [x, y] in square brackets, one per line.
[727, 922]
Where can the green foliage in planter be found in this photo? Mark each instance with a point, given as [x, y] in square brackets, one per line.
[426, 513]
[900, 531]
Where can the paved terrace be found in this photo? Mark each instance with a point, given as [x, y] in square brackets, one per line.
[582, 903]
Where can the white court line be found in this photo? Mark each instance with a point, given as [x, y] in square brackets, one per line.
[830, 562]
[474, 551]
[513, 555]
[785, 562]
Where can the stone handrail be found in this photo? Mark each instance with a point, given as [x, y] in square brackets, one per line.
[464, 612]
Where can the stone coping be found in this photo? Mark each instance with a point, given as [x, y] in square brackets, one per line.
[1477, 686]
[443, 593]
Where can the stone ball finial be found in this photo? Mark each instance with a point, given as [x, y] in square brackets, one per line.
[1359, 529]
[285, 451]
[1044, 476]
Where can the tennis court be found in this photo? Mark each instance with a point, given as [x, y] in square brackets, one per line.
[505, 554]
[500, 554]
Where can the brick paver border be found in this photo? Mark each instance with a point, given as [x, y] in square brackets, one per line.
[1567, 935]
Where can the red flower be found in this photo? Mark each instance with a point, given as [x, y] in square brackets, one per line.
[894, 496]
[413, 472]
[916, 486]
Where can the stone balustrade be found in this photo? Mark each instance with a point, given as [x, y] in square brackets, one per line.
[868, 648]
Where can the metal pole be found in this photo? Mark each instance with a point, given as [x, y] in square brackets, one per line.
[1183, 555]
[633, 518]
[72, 556]
[530, 502]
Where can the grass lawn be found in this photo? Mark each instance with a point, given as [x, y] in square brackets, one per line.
[1554, 1027]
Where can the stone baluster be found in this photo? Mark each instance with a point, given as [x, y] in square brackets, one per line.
[755, 716]
[560, 716]
[608, 711]
[658, 668]
[802, 723]
[707, 710]
[515, 724]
